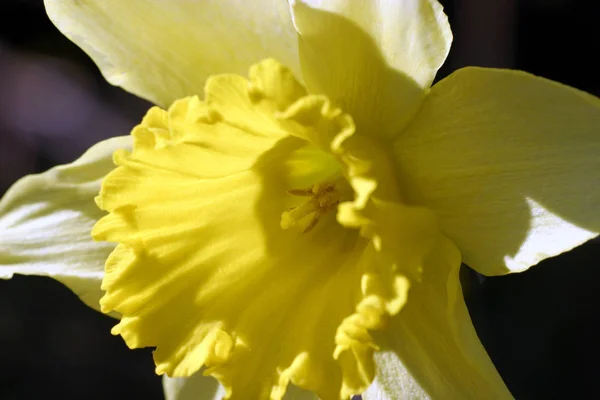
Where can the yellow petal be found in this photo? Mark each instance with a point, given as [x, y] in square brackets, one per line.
[46, 220]
[433, 338]
[510, 164]
[204, 271]
[374, 59]
[165, 50]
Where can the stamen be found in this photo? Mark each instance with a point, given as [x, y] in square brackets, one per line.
[323, 197]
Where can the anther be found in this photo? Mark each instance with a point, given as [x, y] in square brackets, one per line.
[323, 197]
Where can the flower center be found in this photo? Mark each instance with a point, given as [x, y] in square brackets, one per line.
[323, 197]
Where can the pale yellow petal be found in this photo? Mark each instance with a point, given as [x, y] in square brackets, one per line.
[163, 50]
[375, 59]
[200, 387]
[433, 339]
[196, 387]
[46, 222]
[395, 375]
[509, 162]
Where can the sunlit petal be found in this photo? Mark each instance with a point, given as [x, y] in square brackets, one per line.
[375, 59]
[46, 220]
[509, 162]
[163, 50]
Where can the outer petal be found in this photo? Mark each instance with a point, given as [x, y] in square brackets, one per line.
[393, 378]
[200, 387]
[46, 221]
[509, 162]
[375, 59]
[195, 387]
[435, 340]
[163, 50]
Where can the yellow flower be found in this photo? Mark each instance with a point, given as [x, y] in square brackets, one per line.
[278, 231]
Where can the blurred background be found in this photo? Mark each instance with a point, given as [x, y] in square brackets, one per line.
[539, 327]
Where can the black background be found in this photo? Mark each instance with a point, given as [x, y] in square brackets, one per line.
[539, 326]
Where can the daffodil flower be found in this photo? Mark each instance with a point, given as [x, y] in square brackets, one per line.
[298, 209]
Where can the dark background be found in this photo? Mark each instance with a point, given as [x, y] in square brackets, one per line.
[539, 327]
